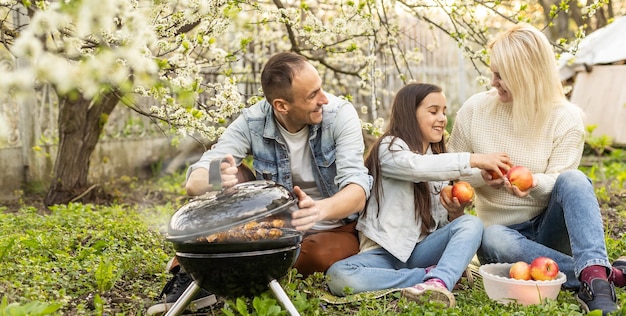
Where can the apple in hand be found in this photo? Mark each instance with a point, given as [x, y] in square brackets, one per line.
[463, 191]
[543, 268]
[494, 175]
[520, 271]
[521, 177]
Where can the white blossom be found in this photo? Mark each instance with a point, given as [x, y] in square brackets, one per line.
[192, 58]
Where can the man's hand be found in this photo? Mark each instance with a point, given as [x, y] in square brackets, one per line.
[228, 171]
[307, 214]
[198, 181]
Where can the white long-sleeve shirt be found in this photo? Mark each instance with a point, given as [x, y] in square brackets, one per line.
[394, 226]
[484, 125]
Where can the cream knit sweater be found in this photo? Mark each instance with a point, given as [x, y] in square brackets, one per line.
[483, 125]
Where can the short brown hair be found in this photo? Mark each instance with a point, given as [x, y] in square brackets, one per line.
[278, 73]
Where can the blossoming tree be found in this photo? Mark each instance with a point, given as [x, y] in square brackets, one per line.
[190, 57]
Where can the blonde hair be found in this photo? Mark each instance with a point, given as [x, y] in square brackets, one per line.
[527, 65]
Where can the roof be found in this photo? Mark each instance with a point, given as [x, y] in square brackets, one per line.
[604, 46]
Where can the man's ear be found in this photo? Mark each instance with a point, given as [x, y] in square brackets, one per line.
[280, 106]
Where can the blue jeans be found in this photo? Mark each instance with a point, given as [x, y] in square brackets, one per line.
[450, 248]
[570, 231]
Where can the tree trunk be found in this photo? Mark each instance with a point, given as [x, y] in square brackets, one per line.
[80, 123]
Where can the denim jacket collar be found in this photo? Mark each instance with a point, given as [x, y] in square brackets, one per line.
[271, 131]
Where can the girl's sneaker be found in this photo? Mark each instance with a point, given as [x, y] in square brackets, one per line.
[432, 290]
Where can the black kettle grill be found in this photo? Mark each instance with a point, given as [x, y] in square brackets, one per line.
[236, 242]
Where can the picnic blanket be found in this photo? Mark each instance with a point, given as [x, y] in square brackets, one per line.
[328, 297]
[471, 276]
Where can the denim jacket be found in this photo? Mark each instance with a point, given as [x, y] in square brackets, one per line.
[336, 143]
[394, 226]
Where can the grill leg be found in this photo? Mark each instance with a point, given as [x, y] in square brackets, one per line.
[283, 298]
[184, 300]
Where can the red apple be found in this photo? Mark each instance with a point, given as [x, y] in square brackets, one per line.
[495, 175]
[520, 177]
[447, 190]
[520, 271]
[463, 191]
[543, 268]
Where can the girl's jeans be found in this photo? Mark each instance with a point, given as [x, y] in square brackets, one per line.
[570, 231]
[450, 248]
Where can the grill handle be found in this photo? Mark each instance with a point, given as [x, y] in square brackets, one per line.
[215, 174]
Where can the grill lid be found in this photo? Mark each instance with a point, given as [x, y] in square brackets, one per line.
[215, 212]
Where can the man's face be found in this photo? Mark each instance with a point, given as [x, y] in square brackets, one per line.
[308, 99]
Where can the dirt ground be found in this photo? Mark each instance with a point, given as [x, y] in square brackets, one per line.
[614, 222]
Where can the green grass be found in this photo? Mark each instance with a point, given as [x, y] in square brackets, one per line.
[109, 260]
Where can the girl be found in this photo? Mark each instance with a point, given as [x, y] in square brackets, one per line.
[408, 239]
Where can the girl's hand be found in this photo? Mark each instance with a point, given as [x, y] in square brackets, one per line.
[495, 163]
[454, 207]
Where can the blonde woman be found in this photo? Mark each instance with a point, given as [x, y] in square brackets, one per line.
[527, 115]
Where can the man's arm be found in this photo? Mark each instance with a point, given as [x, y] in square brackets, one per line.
[350, 148]
[352, 178]
[349, 200]
[198, 182]
[235, 142]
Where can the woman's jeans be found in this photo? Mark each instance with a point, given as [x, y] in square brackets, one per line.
[570, 231]
[450, 248]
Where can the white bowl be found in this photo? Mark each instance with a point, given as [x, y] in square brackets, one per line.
[501, 288]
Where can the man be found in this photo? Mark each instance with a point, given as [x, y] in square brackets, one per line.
[307, 140]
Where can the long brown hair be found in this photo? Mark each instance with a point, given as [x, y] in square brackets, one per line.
[403, 124]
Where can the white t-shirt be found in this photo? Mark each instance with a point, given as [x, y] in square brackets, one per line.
[301, 172]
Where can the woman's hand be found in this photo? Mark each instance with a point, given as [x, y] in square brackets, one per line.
[495, 183]
[516, 191]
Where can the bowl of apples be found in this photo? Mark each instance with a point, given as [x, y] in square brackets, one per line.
[521, 282]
